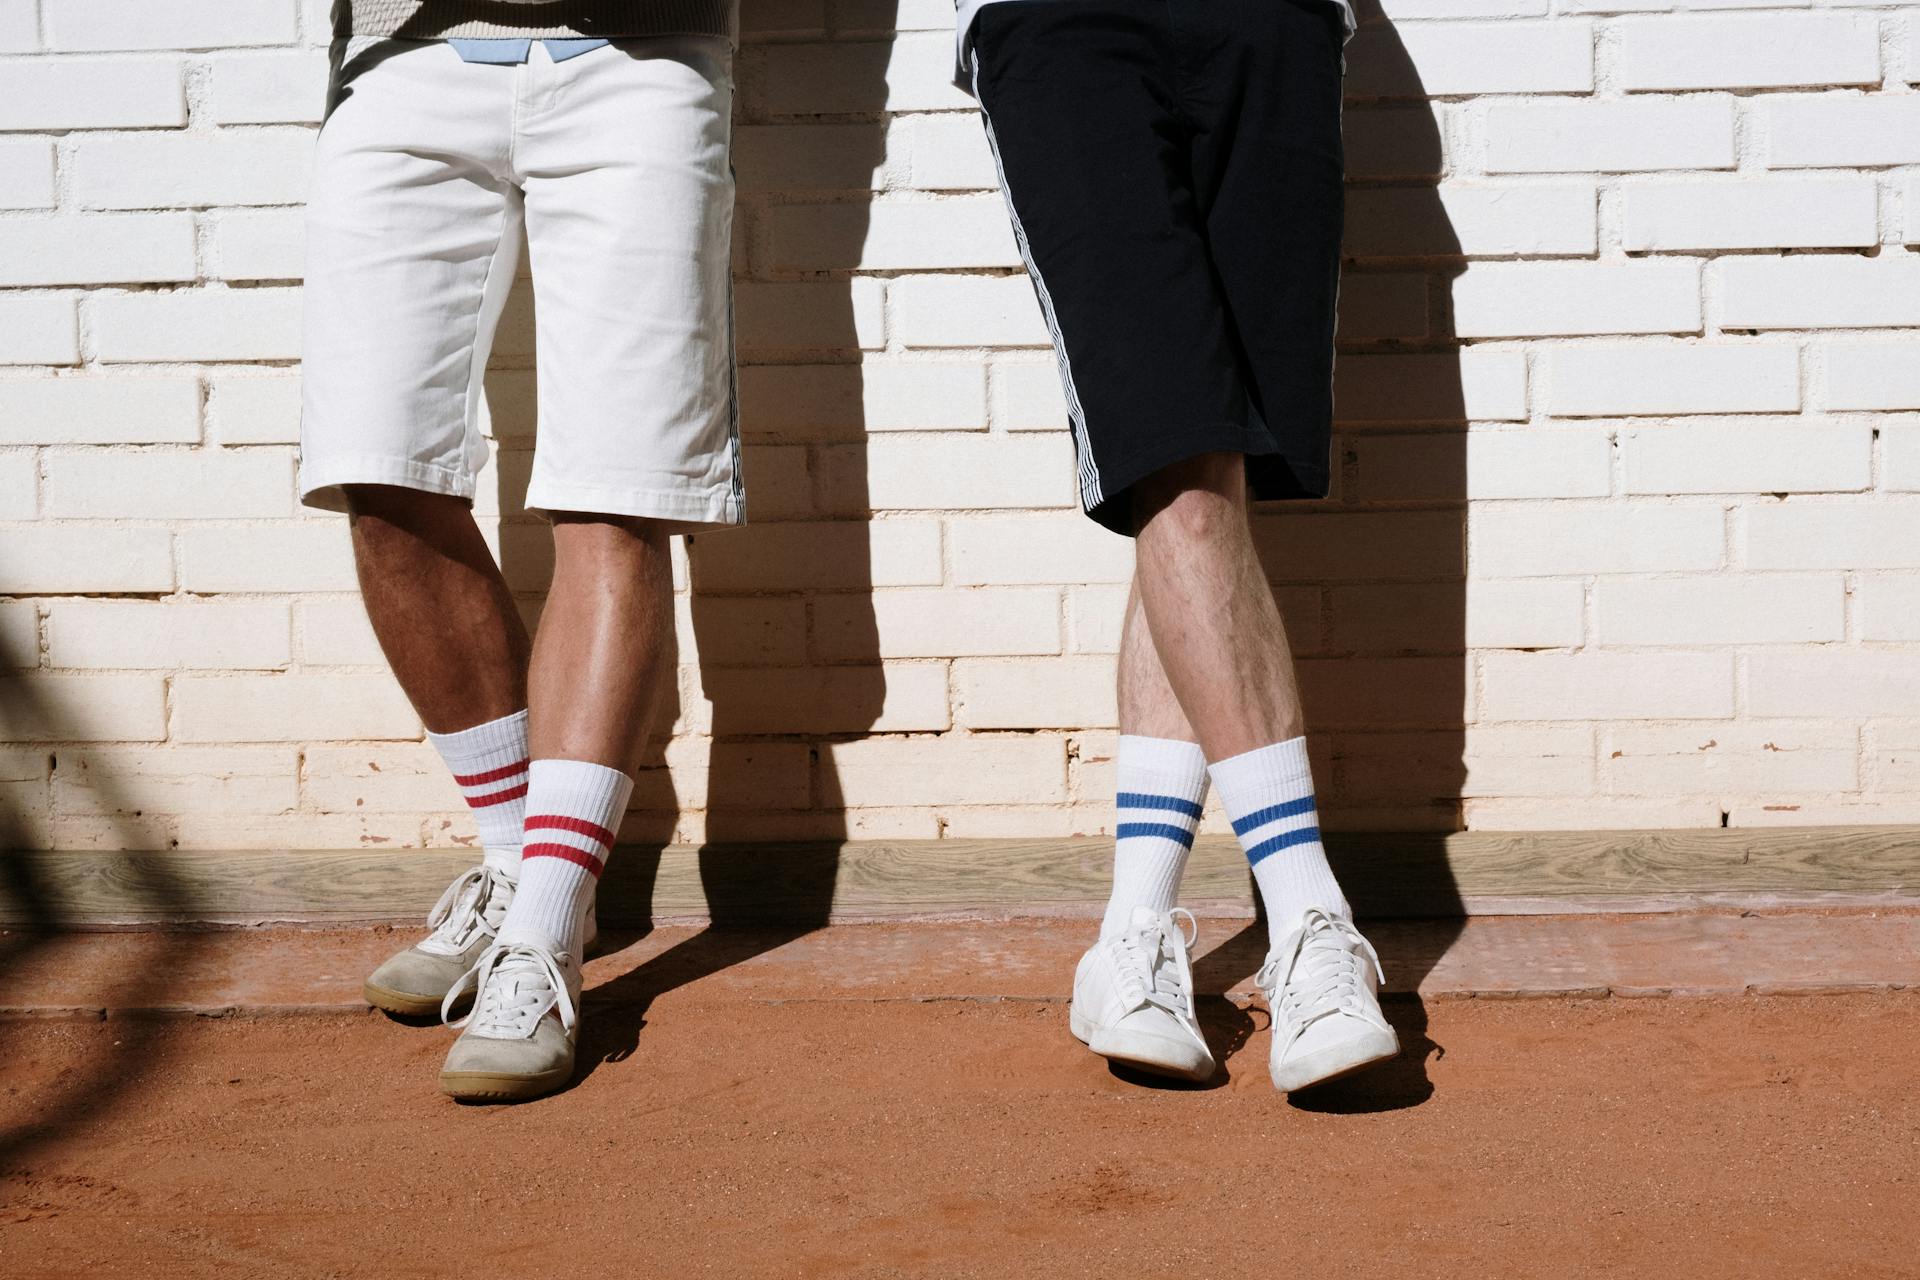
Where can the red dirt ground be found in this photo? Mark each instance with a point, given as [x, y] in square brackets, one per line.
[734, 1137]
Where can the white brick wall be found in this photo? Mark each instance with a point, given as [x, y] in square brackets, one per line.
[1625, 526]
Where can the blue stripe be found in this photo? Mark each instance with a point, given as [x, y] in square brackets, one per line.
[1285, 840]
[1179, 835]
[1291, 809]
[1172, 804]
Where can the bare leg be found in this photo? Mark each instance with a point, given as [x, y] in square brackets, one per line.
[1214, 625]
[596, 663]
[1148, 707]
[438, 604]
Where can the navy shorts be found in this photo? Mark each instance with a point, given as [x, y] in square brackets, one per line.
[1174, 172]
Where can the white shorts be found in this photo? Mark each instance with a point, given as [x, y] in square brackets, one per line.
[617, 164]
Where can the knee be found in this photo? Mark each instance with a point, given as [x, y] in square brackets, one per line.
[1195, 500]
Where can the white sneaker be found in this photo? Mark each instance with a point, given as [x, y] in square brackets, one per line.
[462, 925]
[1322, 985]
[1133, 997]
[519, 1038]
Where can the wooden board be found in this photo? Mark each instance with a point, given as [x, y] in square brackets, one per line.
[1385, 875]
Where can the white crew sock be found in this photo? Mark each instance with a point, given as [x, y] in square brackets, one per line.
[1162, 785]
[489, 761]
[573, 815]
[1268, 793]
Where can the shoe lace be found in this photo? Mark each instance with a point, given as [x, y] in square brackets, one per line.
[472, 906]
[1152, 970]
[1315, 973]
[514, 987]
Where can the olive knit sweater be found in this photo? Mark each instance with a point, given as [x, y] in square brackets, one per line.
[531, 19]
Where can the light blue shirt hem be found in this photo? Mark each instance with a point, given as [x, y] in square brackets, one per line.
[511, 52]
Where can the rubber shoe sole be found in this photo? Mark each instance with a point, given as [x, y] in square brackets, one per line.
[494, 1086]
[1336, 1062]
[1138, 1051]
[407, 1004]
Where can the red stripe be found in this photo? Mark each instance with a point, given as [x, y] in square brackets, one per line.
[497, 797]
[491, 775]
[579, 826]
[579, 857]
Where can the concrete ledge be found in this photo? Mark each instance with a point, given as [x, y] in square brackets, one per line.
[1387, 875]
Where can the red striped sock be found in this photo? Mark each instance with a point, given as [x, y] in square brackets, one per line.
[489, 762]
[573, 816]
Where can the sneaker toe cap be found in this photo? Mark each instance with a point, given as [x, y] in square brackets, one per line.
[418, 973]
[1156, 1042]
[1331, 1047]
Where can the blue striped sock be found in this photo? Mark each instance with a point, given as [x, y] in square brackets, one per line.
[1269, 795]
[1162, 786]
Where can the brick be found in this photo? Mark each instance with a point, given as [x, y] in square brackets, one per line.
[378, 778]
[1795, 456]
[1525, 613]
[110, 249]
[1750, 609]
[39, 328]
[1055, 693]
[1841, 131]
[1557, 463]
[952, 770]
[26, 173]
[969, 472]
[1821, 213]
[268, 88]
[1796, 535]
[946, 153]
[988, 621]
[190, 171]
[1607, 686]
[169, 484]
[177, 780]
[47, 559]
[204, 635]
[19, 484]
[1383, 305]
[812, 157]
[290, 708]
[1526, 299]
[1458, 219]
[898, 697]
[334, 632]
[19, 635]
[1900, 457]
[1095, 614]
[1472, 385]
[743, 632]
[1443, 60]
[1676, 378]
[1819, 291]
[1503, 813]
[87, 93]
[99, 410]
[250, 409]
[1380, 693]
[1410, 10]
[1321, 547]
[814, 556]
[1400, 617]
[1557, 540]
[1393, 142]
[1775, 51]
[1832, 682]
[1028, 395]
[841, 401]
[1623, 136]
[842, 315]
[1889, 606]
[88, 26]
[909, 73]
[1504, 760]
[260, 244]
[1032, 550]
[968, 311]
[117, 708]
[19, 26]
[891, 235]
[1756, 758]
[210, 325]
[292, 555]
[890, 15]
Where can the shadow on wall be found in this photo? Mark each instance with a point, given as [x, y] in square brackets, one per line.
[779, 614]
[1372, 581]
[107, 1068]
